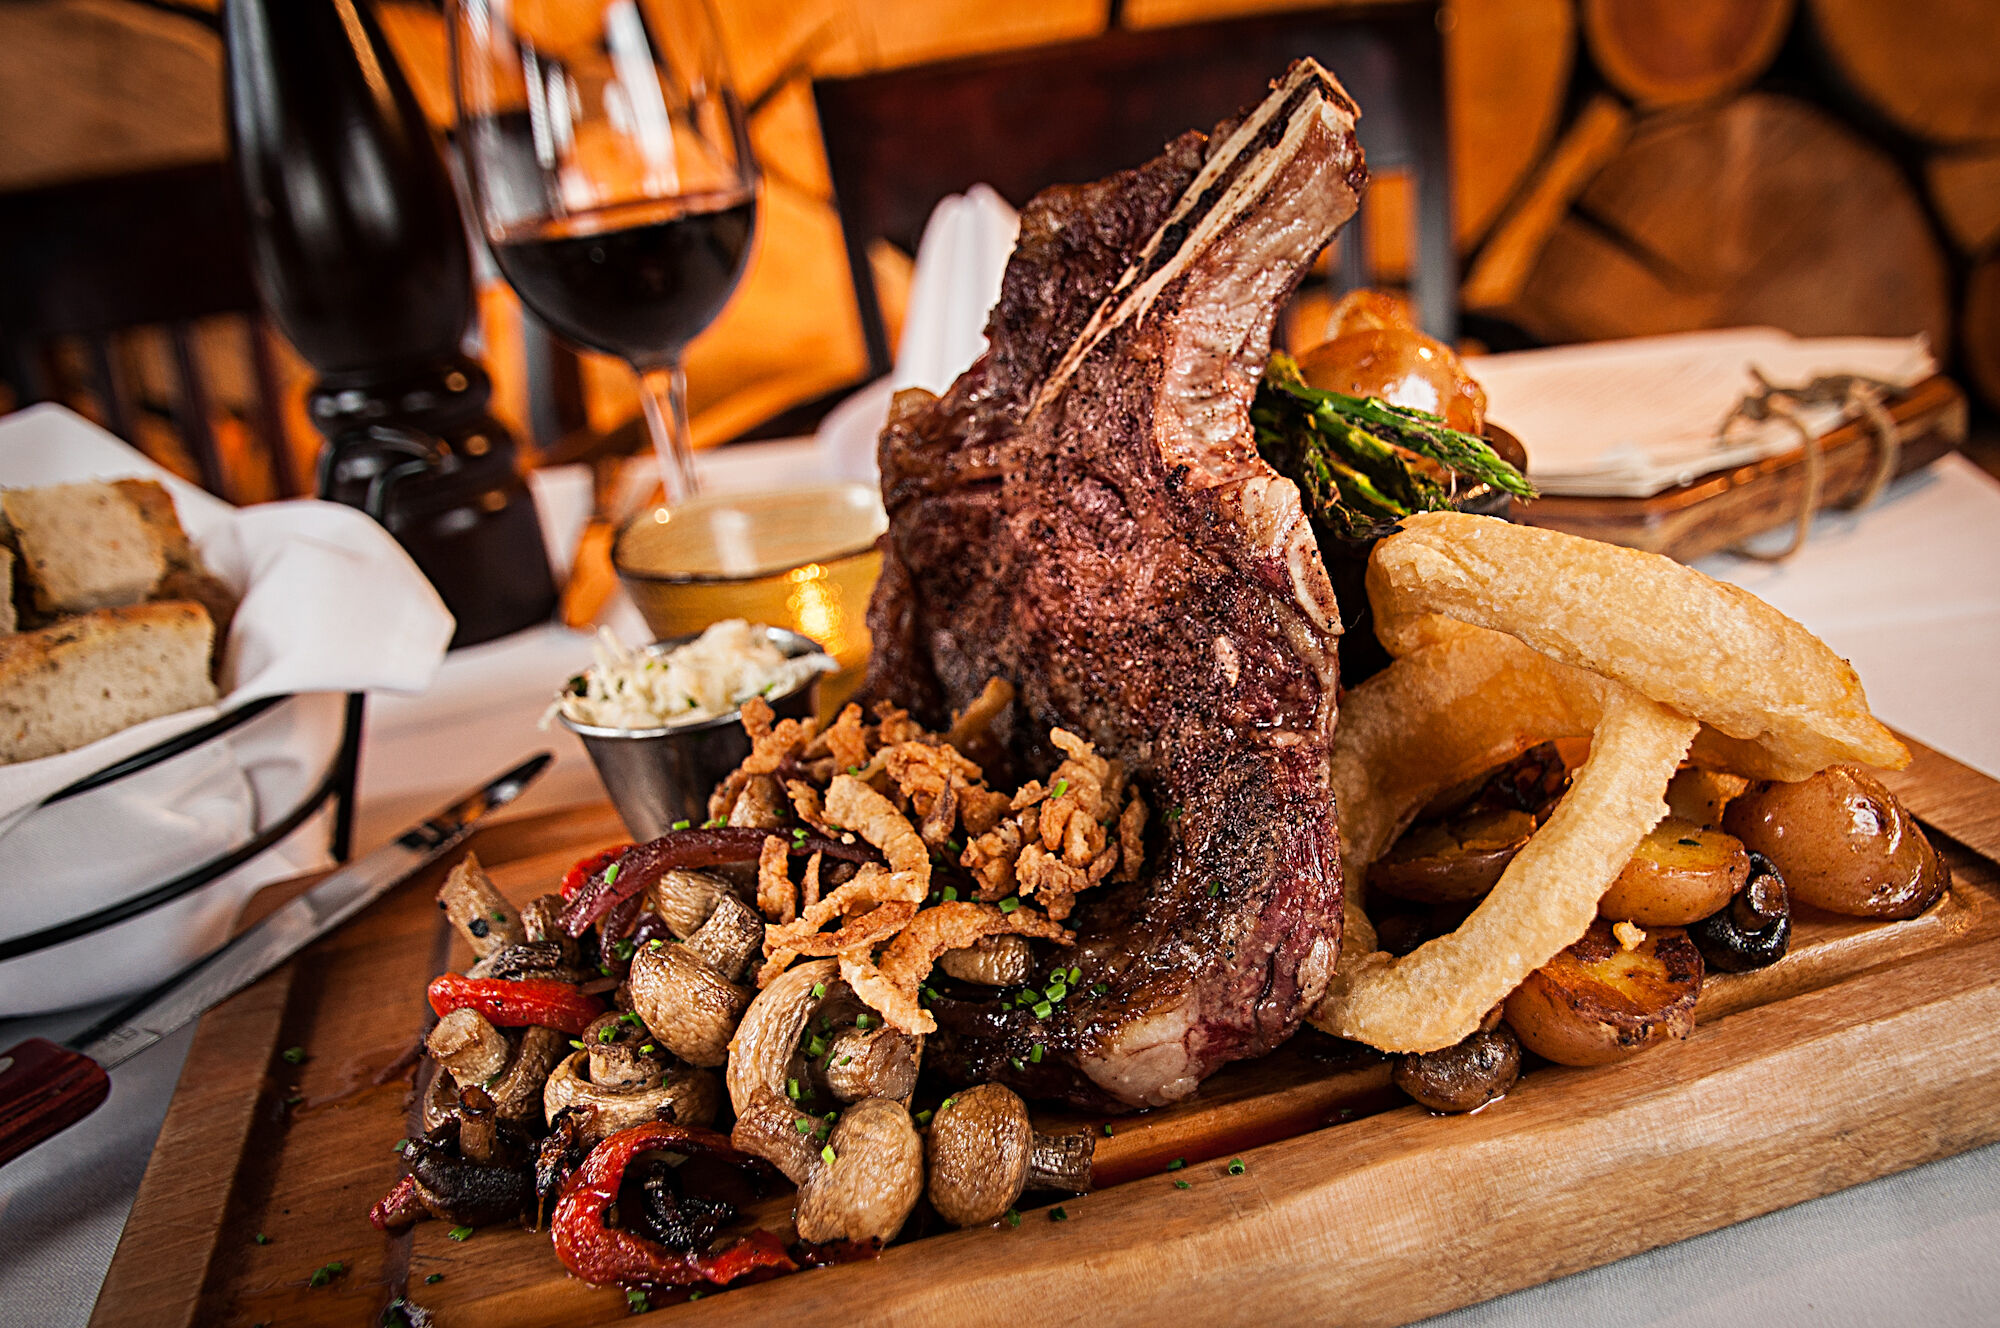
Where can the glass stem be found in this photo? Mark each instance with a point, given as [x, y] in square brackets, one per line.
[663, 392]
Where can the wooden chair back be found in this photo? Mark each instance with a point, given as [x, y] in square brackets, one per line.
[86, 266]
[900, 140]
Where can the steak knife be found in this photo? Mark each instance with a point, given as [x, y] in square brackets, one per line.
[46, 1087]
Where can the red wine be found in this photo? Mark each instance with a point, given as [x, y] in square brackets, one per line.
[638, 283]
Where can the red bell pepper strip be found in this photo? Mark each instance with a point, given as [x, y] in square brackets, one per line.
[640, 868]
[605, 1256]
[574, 878]
[512, 1003]
[399, 1208]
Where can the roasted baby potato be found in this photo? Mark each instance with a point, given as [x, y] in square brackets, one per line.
[1701, 795]
[1842, 842]
[1598, 1002]
[1454, 861]
[1464, 1076]
[1679, 874]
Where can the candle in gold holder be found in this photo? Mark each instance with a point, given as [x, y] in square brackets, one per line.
[803, 559]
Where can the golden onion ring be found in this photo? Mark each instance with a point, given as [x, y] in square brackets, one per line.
[1783, 705]
[1437, 994]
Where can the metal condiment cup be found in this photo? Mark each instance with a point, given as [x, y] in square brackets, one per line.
[659, 777]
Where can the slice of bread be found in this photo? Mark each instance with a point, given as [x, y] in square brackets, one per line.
[84, 546]
[155, 507]
[90, 676]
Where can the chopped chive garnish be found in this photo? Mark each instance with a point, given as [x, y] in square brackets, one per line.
[1183, 1185]
[1171, 814]
[946, 1103]
[635, 1301]
[399, 1145]
[1043, 1009]
[696, 1294]
[611, 873]
[499, 916]
[655, 944]
[292, 1055]
[1214, 889]
[819, 990]
[577, 1043]
[827, 1155]
[1058, 1214]
[606, 1033]
[816, 1047]
[713, 823]
[792, 1089]
[1236, 1167]
[682, 825]
[434, 1279]
[864, 1020]
[951, 894]
[1015, 1061]
[924, 1117]
[854, 770]
[629, 1017]
[805, 1124]
[1107, 1129]
[460, 1233]
[1009, 904]
[1075, 975]
[1177, 1164]
[1013, 1217]
[1060, 787]
[326, 1272]
[261, 1238]
[623, 949]
[647, 1049]
[1036, 1054]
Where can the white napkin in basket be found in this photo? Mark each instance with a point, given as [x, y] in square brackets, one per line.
[331, 603]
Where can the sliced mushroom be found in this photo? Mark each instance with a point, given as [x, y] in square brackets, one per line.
[762, 804]
[991, 961]
[683, 1094]
[867, 1179]
[768, 1036]
[486, 920]
[687, 1004]
[467, 1045]
[529, 959]
[478, 1125]
[984, 1152]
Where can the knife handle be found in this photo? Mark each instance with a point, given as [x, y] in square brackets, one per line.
[45, 1088]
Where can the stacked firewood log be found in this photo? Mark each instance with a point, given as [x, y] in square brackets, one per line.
[1825, 166]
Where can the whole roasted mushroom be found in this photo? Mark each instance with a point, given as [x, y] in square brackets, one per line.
[624, 1079]
[984, 1153]
[807, 1031]
[689, 993]
[990, 961]
[858, 1180]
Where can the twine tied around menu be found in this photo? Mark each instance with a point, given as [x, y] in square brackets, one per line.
[1859, 397]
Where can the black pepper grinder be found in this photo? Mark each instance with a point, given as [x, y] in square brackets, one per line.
[360, 255]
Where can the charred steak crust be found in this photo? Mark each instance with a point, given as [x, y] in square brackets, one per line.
[1085, 514]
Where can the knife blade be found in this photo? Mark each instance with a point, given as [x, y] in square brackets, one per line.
[45, 1088]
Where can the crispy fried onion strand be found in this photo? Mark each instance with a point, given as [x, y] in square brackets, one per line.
[891, 987]
[1435, 995]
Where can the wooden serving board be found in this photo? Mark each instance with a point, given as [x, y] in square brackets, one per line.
[1880, 1034]
[1721, 510]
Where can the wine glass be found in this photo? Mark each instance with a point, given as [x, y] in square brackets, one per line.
[612, 176]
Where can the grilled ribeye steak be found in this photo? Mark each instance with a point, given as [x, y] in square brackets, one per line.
[1085, 514]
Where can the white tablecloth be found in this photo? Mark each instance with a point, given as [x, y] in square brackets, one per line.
[1910, 591]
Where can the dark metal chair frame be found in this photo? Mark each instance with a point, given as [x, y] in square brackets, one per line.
[899, 141]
